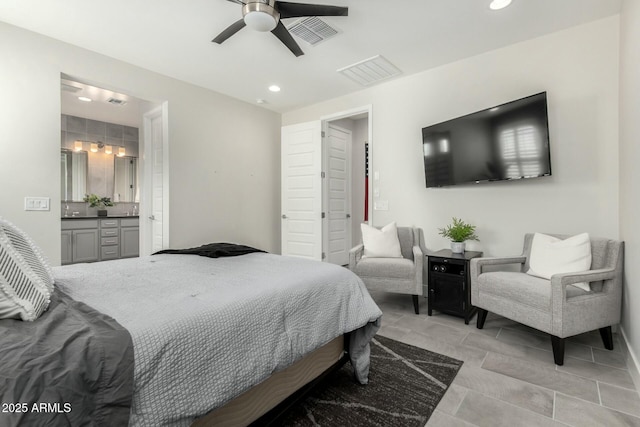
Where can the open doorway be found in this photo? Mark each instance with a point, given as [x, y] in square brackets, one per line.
[309, 177]
[105, 128]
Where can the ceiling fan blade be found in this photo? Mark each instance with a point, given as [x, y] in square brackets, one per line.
[296, 10]
[231, 30]
[281, 32]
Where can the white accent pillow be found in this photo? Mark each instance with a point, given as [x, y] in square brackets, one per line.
[26, 282]
[550, 255]
[381, 243]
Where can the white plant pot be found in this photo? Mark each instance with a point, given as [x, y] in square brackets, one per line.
[457, 247]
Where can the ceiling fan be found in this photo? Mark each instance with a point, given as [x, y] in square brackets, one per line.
[266, 15]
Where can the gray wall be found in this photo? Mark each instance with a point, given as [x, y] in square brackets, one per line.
[630, 173]
[577, 67]
[224, 154]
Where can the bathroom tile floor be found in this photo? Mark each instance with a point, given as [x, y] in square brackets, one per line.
[509, 378]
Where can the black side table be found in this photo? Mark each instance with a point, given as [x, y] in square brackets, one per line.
[449, 284]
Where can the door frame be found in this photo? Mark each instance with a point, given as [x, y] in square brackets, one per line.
[324, 120]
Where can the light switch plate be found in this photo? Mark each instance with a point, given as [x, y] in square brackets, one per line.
[36, 203]
[381, 205]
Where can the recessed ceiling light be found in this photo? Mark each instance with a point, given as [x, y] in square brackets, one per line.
[499, 4]
[260, 101]
[274, 88]
[84, 98]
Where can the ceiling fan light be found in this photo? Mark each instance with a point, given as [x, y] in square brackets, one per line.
[260, 21]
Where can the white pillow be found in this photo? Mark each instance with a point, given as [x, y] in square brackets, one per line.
[26, 282]
[381, 243]
[550, 255]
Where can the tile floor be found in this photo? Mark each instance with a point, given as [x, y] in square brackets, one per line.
[509, 378]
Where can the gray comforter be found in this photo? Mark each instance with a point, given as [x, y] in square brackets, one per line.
[73, 366]
[206, 330]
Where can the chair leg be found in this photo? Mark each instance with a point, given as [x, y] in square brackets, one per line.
[607, 337]
[482, 316]
[416, 304]
[558, 349]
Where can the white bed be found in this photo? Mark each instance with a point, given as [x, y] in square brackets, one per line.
[207, 330]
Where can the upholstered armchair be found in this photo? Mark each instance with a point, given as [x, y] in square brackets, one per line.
[397, 275]
[553, 306]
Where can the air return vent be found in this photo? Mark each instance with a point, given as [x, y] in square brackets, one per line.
[313, 30]
[116, 101]
[370, 70]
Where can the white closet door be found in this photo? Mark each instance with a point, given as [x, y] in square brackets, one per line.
[302, 190]
[338, 190]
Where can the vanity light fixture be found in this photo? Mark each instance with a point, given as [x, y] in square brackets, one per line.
[121, 152]
[94, 147]
[77, 146]
[499, 4]
[108, 149]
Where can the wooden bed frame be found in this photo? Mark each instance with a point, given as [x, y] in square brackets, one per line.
[272, 397]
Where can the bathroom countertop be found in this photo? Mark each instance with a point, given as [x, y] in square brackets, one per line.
[100, 217]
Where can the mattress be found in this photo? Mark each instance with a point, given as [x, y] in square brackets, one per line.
[206, 330]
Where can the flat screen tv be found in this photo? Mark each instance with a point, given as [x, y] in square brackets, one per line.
[505, 142]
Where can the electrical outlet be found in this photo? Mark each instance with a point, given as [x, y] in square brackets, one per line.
[36, 203]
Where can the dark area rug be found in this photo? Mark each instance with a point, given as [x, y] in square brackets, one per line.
[405, 385]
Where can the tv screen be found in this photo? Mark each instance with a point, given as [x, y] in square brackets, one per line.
[509, 141]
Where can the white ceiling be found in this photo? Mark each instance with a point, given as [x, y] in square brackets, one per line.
[128, 113]
[174, 38]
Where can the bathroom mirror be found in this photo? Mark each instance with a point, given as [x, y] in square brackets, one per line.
[125, 179]
[73, 174]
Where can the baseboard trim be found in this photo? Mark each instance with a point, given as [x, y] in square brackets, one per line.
[633, 363]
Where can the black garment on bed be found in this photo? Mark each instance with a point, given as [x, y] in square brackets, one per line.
[213, 250]
[72, 366]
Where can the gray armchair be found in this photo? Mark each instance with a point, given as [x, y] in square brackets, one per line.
[553, 306]
[397, 275]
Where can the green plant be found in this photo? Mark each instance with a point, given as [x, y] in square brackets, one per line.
[96, 201]
[459, 231]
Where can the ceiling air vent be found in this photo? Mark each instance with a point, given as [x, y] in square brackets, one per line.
[116, 101]
[313, 30]
[370, 70]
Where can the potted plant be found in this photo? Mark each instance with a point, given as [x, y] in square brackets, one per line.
[96, 201]
[459, 232]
